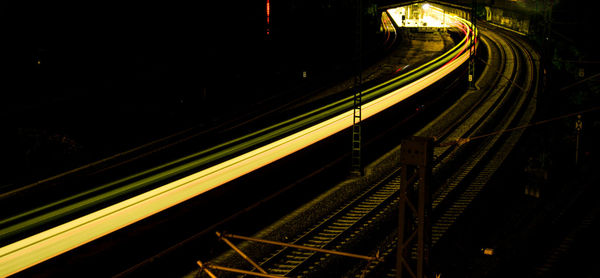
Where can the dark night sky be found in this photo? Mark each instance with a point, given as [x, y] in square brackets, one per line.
[114, 75]
[98, 54]
[95, 36]
[105, 48]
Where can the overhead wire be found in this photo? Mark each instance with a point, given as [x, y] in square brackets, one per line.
[460, 141]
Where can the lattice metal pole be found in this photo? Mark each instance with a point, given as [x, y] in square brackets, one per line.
[356, 135]
[356, 127]
[472, 48]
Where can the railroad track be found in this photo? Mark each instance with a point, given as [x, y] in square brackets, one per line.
[336, 230]
[482, 160]
[506, 98]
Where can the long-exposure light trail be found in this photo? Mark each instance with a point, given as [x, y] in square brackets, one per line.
[287, 137]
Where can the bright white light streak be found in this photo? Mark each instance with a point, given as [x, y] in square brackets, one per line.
[434, 16]
[30, 251]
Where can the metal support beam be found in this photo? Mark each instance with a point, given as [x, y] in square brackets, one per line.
[237, 250]
[333, 252]
[206, 266]
[415, 154]
[223, 236]
[205, 269]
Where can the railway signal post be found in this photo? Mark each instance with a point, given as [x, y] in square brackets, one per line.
[416, 156]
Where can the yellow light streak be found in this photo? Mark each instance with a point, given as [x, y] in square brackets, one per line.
[45, 245]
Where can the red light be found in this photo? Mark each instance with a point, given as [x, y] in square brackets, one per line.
[268, 11]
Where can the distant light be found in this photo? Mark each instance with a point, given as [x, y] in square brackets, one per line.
[39, 61]
[488, 251]
[268, 11]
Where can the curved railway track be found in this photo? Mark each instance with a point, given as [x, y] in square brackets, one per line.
[507, 97]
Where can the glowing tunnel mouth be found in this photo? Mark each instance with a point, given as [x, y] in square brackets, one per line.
[30, 251]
